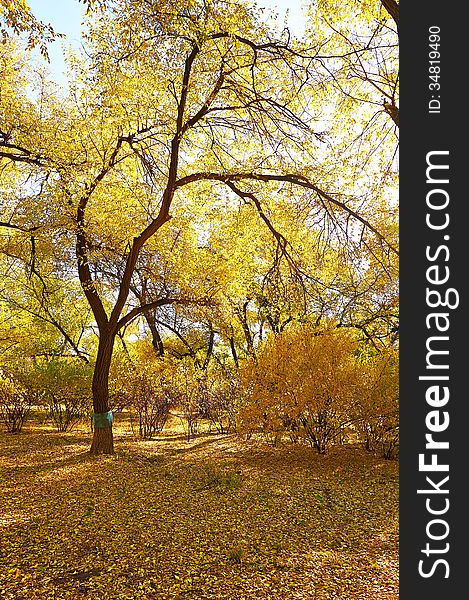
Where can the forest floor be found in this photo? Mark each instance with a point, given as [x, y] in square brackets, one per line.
[215, 518]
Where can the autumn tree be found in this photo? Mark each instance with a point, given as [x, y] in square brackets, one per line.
[363, 65]
[180, 109]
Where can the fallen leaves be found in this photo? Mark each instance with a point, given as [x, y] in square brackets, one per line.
[214, 518]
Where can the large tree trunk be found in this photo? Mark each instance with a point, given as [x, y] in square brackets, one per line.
[103, 442]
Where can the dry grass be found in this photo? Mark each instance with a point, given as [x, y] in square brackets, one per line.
[214, 518]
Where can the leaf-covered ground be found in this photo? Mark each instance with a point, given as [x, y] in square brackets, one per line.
[214, 518]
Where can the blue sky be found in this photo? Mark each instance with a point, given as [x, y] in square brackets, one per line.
[66, 17]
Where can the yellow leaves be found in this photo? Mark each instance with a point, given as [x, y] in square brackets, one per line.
[307, 382]
[293, 521]
[364, 77]
[14, 573]
[17, 16]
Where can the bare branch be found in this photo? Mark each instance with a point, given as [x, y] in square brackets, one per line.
[295, 179]
[138, 310]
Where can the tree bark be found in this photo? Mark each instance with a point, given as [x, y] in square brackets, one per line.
[102, 436]
[156, 340]
[243, 318]
[233, 352]
[211, 341]
[103, 441]
[392, 8]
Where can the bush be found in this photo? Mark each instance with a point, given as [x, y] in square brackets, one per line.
[219, 393]
[381, 435]
[303, 385]
[377, 414]
[15, 404]
[65, 388]
[188, 390]
[67, 409]
[211, 395]
[151, 402]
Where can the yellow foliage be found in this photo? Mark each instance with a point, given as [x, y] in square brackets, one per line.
[303, 382]
[377, 409]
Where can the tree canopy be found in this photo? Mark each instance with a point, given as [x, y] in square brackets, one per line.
[205, 182]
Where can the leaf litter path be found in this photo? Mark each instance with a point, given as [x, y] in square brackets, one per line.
[216, 518]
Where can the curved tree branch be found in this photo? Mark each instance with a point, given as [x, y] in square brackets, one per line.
[295, 179]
